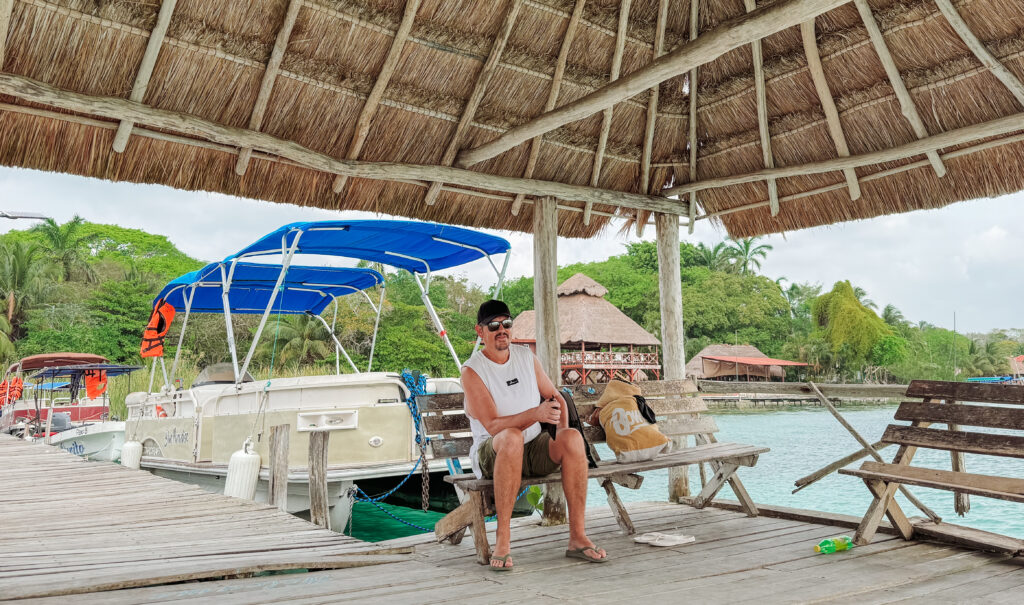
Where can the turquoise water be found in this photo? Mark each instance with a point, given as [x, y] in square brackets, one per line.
[802, 440]
[806, 439]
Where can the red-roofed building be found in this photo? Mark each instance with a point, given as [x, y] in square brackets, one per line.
[737, 362]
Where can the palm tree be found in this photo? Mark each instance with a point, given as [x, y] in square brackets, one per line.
[299, 339]
[746, 252]
[862, 298]
[68, 246]
[25, 279]
[716, 259]
[892, 316]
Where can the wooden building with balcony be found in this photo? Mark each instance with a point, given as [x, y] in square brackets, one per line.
[597, 340]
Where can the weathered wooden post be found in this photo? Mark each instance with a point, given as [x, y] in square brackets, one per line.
[673, 357]
[318, 508]
[277, 488]
[545, 303]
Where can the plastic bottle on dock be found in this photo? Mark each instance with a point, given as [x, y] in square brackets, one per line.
[836, 544]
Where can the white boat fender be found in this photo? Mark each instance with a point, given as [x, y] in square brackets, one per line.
[131, 454]
[243, 472]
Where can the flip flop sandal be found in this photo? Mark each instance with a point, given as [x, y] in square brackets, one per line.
[648, 538]
[504, 563]
[581, 553]
[673, 540]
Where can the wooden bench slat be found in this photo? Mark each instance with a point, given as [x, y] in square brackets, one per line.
[1003, 488]
[969, 415]
[439, 402]
[975, 443]
[744, 455]
[436, 423]
[965, 391]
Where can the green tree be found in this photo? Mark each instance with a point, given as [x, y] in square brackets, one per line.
[293, 340]
[726, 308]
[748, 254]
[862, 298]
[852, 329]
[717, 258]
[120, 310]
[25, 280]
[892, 316]
[68, 246]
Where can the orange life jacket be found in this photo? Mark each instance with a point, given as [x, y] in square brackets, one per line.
[156, 330]
[11, 391]
[95, 383]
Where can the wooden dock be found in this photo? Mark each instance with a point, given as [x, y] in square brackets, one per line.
[70, 526]
[170, 536]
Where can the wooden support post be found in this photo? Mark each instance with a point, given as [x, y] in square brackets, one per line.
[727, 36]
[652, 116]
[545, 301]
[319, 510]
[977, 47]
[156, 40]
[618, 509]
[762, 114]
[673, 357]
[6, 8]
[906, 102]
[692, 136]
[475, 97]
[961, 501]
[871, 450]
[828, 104]
[606, 118]
[377, 92]
[277, 486]
[556, 85]
[838, 464]
[269, 77]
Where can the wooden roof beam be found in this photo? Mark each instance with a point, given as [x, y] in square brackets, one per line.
[156, 40]
[269, 77]
[556, 84]
[978, 48]
[652, 114]
[692, 124]
[475, 97]
[906, 102]
[727, 36]
[6, 8]
[762, 113]
[606, 120]
[377, 92]
[927, 145]
[123, 109]
[828, 104]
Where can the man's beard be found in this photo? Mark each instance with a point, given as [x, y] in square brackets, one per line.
[501, 345]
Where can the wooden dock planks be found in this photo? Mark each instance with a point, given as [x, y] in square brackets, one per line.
[71, 526]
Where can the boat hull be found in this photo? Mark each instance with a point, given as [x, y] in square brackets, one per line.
[96, 441]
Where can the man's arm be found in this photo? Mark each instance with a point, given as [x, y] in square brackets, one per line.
[480, 405]
[548, 391]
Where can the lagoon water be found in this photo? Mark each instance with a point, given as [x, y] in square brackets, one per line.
[802, 440]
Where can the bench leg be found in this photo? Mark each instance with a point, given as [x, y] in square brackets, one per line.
[715, 484]
[883, 502]
[617, 508]
[469, 514]
[893, 511]
[741, 494]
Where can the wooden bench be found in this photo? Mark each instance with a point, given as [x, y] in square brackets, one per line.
[942, 405]
[679, 417]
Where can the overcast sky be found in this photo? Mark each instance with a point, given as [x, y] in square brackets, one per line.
[965, 258]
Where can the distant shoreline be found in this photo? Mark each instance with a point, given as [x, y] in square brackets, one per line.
[746, 404]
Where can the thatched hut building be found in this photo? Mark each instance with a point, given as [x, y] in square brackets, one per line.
[597, 340]
[737, 362]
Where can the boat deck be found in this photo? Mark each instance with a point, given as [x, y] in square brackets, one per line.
[91, 535]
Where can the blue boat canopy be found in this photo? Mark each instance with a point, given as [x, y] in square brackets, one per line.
[415, 246]
[71, 372]
[251, 285]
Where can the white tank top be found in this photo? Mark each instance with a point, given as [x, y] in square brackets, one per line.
[513, 386]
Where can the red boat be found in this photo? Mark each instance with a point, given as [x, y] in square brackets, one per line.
[16, 404]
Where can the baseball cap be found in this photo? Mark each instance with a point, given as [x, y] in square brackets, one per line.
[491, 309]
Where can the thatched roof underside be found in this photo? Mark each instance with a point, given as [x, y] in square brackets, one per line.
[216, 55]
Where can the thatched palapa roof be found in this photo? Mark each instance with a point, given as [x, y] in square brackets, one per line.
[584, 316]
[773, 115]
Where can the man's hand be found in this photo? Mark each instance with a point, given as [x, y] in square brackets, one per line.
[550, 411]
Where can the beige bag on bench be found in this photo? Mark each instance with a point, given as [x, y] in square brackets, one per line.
[626, 431]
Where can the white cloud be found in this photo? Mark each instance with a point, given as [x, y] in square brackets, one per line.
[964, 258]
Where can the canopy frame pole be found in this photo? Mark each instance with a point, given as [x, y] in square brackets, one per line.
[337, 343]
[152, 375]
[424, 287]
[334, 323]
[181, 337]
[163, 366]
[285, 263]
[376, 323]
[225, 289]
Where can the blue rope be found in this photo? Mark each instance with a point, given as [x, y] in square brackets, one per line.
[521, 494]
[400, 520]
[417, 385]
[385, 495]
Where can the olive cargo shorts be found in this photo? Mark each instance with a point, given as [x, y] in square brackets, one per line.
[537, 461]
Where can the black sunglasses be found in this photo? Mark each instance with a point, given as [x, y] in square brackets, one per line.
[493, 326]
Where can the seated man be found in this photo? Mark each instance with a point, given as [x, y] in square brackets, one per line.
[504, 385]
